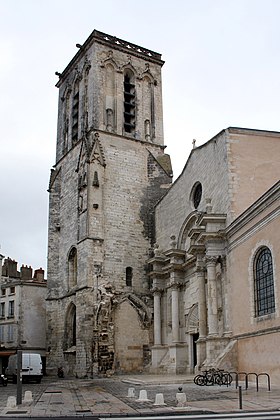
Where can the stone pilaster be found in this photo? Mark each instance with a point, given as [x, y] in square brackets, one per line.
[175, 312]
[157, 317]
[202, 311]
[202, 315]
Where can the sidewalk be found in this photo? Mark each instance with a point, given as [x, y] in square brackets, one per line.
[84, 397]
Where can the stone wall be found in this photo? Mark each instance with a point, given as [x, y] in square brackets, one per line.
[207, 164]
[103, 190]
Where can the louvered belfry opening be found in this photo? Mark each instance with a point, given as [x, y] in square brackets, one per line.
[129, 104]
[75, 114]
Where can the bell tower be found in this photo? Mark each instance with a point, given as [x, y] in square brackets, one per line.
[110, 171]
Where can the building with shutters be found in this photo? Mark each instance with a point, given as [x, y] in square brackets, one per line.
[22, 310]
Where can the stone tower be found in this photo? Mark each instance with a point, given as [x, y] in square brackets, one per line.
[110, 171]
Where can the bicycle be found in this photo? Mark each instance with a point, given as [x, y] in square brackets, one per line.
[213, 377]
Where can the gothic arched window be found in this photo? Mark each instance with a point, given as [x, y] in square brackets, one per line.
[264, 283]
[72, 268]
[70, 327]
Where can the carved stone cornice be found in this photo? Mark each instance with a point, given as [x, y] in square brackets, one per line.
[200, 269]
[211, 260]
[175, 285]
[157, 290]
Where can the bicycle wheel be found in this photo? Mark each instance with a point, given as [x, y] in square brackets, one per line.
[210, 379]
[199, 380]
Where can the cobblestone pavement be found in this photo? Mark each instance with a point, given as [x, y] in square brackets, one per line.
[193, 392]
[83, 397]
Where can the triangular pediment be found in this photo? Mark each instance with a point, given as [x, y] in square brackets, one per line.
[147, 73]
[83, 156]
[97, 154]
[90, 151]
[110, 60]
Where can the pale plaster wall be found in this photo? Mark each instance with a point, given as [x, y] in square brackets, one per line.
[33, 316]
[241, 279]
[129, 339]
[260, 354]
[258, 337]
[253, 158]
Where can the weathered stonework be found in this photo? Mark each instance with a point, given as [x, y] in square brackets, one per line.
[108, 176]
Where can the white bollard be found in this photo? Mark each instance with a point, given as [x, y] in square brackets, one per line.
[181, 399]
[28, 397]
[159, 400]
[11, 402]
[143, 396]
[131, 392]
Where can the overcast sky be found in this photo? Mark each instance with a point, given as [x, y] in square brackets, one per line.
[222, 69]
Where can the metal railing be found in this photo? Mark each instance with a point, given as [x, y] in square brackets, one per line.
[244, 376]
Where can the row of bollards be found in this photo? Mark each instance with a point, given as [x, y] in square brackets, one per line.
[181, 398]
[12, 401]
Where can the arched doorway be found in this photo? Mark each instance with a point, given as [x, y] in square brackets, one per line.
[192, 328]
[69, 342]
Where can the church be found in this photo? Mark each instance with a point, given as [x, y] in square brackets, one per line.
[217, 257]
[143, 274]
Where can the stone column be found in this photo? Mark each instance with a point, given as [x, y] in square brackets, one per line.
[202, 311]
[212, 296]
[157, 318]
[175, 312]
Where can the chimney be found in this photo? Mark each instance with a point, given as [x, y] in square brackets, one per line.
[39, 274]
[1, 258]
[9, 268]
[26, 272]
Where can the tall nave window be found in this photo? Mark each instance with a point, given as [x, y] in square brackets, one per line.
[264, 283]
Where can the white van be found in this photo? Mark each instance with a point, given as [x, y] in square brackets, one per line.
[31, 368]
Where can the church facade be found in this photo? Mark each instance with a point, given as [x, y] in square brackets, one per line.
[144, 274]
[216, 263]
[110, 171]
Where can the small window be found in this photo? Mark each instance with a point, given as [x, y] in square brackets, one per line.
[10, 332]
[11, 309]
[128, 276]
[2, 310]
[3, 292]
[2, 337]
[12, 290]
[264, 283]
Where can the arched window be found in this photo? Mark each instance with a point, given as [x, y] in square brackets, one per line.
[72, 268]
[128, 276]
[70, 327]
[264, 283]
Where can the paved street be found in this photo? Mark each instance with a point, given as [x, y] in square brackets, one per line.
[109, 396]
